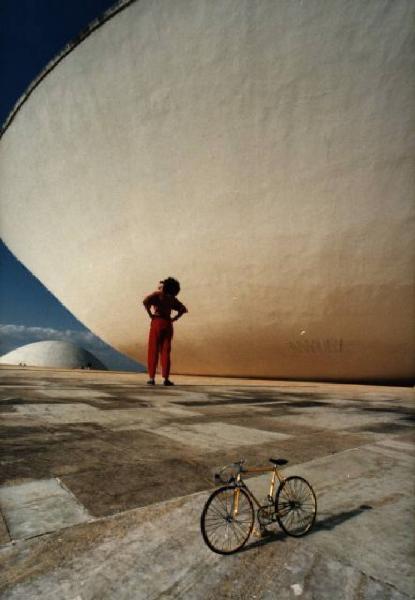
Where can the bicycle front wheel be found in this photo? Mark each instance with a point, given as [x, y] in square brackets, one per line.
[227, 520]
[295, 506]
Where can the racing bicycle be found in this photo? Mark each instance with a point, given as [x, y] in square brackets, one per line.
[228, 516]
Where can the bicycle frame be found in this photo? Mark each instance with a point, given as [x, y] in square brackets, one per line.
[240, 483]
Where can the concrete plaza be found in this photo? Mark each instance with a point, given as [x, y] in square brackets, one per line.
[103, 480]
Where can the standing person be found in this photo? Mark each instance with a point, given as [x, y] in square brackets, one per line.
[163, 302]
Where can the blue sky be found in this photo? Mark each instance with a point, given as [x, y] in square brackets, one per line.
[32, 32]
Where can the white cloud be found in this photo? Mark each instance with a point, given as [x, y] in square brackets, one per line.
[18, 333]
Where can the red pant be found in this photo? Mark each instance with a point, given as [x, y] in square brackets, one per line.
[159, 342]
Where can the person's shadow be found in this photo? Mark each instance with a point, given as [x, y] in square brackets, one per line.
[326, 524]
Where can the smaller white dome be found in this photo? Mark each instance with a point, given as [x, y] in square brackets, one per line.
[57, 354]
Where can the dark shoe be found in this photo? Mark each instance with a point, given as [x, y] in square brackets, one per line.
[168, 382]
[151, 382]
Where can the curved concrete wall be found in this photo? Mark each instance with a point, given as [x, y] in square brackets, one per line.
[259, 150]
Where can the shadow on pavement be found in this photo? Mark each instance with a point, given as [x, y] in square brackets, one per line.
[326, 524]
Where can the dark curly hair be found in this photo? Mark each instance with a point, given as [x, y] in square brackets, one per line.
[171, 286]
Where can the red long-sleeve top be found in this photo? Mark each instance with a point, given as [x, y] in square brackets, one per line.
[163, 304]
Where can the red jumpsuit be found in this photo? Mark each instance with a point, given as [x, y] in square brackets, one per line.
[161, 331]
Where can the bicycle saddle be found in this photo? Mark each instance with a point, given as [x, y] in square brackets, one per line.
[278, 461]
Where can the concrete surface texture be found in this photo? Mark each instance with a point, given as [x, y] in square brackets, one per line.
[261, 151]
[107, 506]
[52, 353]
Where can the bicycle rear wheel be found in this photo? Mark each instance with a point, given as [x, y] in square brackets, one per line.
[295, 506]
[227, 519]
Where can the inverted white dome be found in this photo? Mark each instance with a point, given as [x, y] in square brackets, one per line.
[58, 354]
[260, 151]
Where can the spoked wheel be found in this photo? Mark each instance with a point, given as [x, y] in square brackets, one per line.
[227, 519]
[296, 506]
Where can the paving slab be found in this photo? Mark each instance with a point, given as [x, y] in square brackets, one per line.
[337, 418]
[214, 435]
[38, 507]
